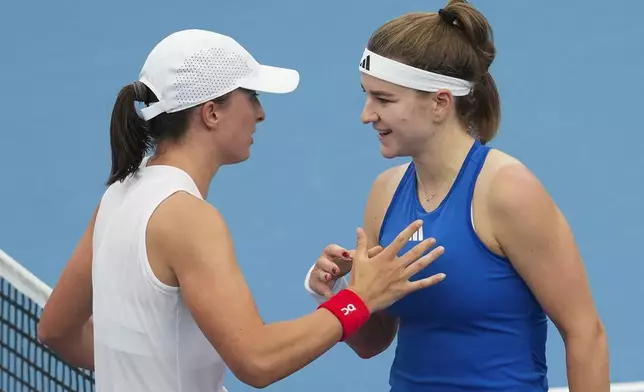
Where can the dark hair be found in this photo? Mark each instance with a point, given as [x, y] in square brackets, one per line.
[458, 42]
[131, 137]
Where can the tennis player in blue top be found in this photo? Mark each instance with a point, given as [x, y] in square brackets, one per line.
[510, 258]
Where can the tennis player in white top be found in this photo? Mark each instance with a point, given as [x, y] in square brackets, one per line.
[152, 298]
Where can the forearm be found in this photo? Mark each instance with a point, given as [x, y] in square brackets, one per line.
[77, 349]
[375, 336]
[587, 363]
[285, 347]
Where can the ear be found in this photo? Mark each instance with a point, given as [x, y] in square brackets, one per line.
[210, 114]
[442, 102]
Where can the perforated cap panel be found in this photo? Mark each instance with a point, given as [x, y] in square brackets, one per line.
[209, 73]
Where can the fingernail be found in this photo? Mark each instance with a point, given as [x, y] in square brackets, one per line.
[333, 270]
[345, 255]
[327, 277]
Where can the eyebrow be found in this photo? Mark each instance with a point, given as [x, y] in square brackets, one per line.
[378, 92]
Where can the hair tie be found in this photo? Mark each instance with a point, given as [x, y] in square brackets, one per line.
[448, 17]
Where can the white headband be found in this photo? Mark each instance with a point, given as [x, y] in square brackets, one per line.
[407, 76]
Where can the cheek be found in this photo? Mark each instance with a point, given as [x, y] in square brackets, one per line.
[242, 126]
[400, 119]
[414, 121]
[394, 115]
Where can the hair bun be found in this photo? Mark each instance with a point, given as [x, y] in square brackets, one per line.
[448, 17]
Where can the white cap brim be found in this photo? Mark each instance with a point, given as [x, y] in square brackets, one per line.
[275, 80]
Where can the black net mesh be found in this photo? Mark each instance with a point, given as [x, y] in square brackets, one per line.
[26, 364]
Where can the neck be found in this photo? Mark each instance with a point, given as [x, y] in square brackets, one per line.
[199, 165]
[441, 160]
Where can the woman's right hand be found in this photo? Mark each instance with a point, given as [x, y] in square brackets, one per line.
[383, 279]
[333, 264]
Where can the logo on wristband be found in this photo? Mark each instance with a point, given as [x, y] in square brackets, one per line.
[348, 309]
[352, 317]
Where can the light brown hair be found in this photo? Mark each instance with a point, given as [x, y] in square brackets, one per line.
[457, 42]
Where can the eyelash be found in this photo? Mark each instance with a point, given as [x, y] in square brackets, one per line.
[381, 100]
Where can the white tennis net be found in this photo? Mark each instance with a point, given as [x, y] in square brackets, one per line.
[26, 365]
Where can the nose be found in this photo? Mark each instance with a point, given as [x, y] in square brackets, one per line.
[261, 115]
[368, 116]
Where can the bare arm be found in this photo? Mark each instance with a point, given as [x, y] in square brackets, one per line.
[66, 324]
[537, 239]
[197, 246]
[379, 332]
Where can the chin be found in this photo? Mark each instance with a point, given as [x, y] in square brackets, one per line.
[389, 153]
[243, 158]
[239, 158]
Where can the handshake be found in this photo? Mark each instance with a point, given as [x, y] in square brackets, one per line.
[380, 276]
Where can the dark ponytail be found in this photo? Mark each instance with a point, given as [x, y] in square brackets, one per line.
[131, 137]
[129, 134]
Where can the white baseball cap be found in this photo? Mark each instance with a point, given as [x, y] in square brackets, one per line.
[191, 67]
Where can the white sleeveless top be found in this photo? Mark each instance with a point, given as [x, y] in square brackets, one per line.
[145, 338]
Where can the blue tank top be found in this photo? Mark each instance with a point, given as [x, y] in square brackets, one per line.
[481, 329]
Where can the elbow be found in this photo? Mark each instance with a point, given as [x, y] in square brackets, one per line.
[369, 348]
[52, 337]
[599, 331]
[46, 330]
[369, 352]
[256, 372]
[587, 337]
[47, 335]
[600, 336]
[587, 351]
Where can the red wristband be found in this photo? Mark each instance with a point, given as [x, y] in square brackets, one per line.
[350, 309]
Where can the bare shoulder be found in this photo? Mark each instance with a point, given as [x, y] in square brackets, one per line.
[182, 207]
[499, 162]
[512, 202]
[182, 215]
[511, 185]
[184, 232]
[380, 196]
[391, 177]
[386, 183]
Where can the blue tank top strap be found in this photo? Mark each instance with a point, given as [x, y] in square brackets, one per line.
[477, 158]
[403, 185]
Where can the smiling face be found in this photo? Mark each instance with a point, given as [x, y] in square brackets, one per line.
[462, 48]
[404, 118]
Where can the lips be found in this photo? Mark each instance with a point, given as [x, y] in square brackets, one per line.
[383, 133]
